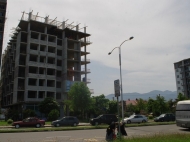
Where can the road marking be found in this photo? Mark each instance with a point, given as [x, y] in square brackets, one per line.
[91, 140]
[75, 139]
[57, 137]
[99, 137]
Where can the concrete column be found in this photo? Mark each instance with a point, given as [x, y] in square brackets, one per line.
[63, 25]
[46, 19]
[85, 56]
[77, 27]
[45, 30]
[29, 16]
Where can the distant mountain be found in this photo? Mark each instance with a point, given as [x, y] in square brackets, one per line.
[145, 96]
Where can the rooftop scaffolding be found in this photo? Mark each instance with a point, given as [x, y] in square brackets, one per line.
[60, 25]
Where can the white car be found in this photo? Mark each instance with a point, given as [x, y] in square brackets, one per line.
[136, 119]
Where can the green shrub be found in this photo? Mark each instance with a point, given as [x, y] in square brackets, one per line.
[9, 121]
[150, 116]
[53, 115]
[28, 113]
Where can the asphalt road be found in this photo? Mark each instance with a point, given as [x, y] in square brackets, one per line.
[86, 135]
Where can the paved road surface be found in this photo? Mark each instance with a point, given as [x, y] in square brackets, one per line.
[86, 135]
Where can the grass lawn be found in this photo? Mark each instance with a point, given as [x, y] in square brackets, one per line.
[177, 137]
[4, 123]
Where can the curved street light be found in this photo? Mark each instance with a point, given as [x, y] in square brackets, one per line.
[121, 73]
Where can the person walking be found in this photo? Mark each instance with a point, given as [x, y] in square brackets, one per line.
[121, 129]
[110, 132]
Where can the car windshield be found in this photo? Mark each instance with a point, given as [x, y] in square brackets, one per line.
[99, 116]
[131, 116]
[162, 115]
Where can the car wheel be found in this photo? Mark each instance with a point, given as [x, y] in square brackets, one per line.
[128, 122]
[57, 125]
[17, 126]
[38, 125]
[96, 123]
[75, 124]
[143, 121]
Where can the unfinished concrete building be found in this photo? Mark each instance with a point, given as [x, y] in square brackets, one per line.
[3, 6]
[43, 59]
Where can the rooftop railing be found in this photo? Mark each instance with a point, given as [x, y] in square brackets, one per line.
[54, 22]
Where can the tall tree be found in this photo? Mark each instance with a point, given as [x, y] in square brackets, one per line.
[150, 105]
[99, 105]
[113, 107]
[170, 106]
[140, 105]
[79, 96]
[160, 104]
[181, 97]
[47, 105]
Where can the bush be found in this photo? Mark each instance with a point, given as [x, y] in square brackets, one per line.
[150, 116]
[28, 113]
[12, 114]
[53, 115]
[9, 121]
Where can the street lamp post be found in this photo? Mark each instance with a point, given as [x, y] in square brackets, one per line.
[121, 73]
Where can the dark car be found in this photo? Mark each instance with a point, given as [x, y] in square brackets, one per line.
[29, 122]
[165, 117]
[104, 118]
[66, 121]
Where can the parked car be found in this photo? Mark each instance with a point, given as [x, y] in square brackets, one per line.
[136, 119]
[165, 117]
[104, 118]
[29, 122]
[66, 121]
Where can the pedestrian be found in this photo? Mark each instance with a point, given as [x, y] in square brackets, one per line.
[121, 129]
[110, 132]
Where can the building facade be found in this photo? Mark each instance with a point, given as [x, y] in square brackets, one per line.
[43, 59]
[3, 6]
[182, 75]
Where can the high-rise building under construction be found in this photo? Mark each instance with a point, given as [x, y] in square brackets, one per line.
[3, 6]
[43, 58]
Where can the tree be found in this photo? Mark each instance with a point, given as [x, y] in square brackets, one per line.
[112, 107]
[150, 105]
[53, 115]
[140, 105]
[181, 97]
[159, 105]
[99, 105]
[170, 105]
[28, 113]
[79, 96]
[47, 105]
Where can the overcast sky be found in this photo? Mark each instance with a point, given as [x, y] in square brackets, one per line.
[161, 31]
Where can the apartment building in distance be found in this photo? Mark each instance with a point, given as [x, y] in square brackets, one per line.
[43, 58]
[182, 75]
[3, 6]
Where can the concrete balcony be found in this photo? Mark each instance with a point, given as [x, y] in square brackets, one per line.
[43, 42]
[34, 40]
[83, 61]
[86, 80]
[33, 75]
[34, 52]
[52, 44]
[85, 71]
